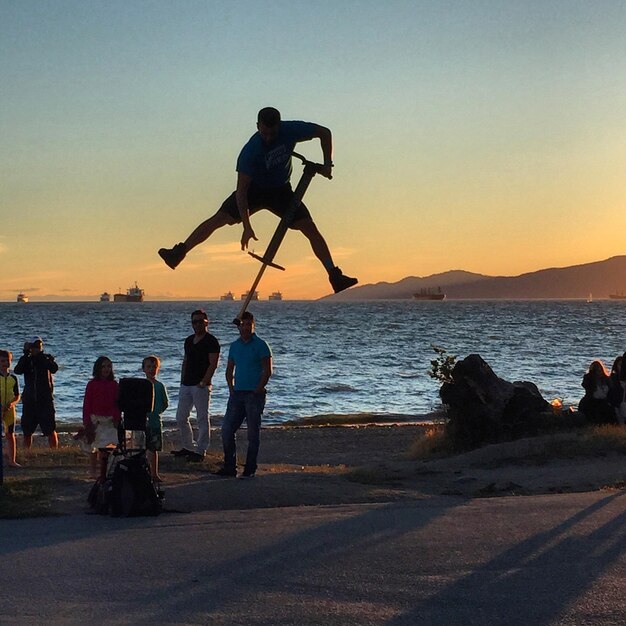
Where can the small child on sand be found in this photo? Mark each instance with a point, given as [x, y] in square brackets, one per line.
[101, 415]
[9, 396]
[154, 430]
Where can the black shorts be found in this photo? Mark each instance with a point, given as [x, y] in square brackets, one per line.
[154, 439]
[38, 414]
[276, 200]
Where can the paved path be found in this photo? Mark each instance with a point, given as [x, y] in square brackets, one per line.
[557, 559]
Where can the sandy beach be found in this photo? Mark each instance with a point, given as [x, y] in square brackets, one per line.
[321, 465]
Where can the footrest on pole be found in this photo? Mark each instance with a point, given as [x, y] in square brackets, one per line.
[265, 262]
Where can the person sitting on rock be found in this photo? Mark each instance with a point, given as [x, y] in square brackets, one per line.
[596, 405]
[617, 392]
[615, 374]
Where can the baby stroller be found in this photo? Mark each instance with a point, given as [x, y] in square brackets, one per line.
[128, 489]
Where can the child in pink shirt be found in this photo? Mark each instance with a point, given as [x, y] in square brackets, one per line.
[101, 414]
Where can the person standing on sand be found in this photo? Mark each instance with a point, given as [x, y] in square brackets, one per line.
[263, 173]
[154, 428]
[101, 414]
[202, 352]
[9, 397]
[38, 409]
[248, 371]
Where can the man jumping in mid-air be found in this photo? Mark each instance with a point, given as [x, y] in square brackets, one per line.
[263, 173]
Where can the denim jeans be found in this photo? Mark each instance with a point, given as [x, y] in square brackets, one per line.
[242, 405]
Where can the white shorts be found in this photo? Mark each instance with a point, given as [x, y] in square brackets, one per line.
[106, 432]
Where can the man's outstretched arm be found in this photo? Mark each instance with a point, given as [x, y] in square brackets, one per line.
[326, 142]
[241, 195]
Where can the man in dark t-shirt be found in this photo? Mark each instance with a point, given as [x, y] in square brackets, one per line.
[263, 174]
[38, 408]
[202, 351]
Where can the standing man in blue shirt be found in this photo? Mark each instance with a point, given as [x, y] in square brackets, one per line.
[263, 173]
[248, 370]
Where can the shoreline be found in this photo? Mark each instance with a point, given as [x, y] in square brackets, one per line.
[321, 420]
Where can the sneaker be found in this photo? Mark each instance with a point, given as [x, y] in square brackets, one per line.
[182, 452]
[247, 474]
[339, 281]
[196, 457]
[226, 473]
[173, 256]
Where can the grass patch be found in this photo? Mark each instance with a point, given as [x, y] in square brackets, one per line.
[31, 490]
[22, 498]
[433, 444]
[584, 442]
[69, 456]
[285, 468]
[587, 442]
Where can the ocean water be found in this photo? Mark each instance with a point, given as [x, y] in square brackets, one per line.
[358, 357]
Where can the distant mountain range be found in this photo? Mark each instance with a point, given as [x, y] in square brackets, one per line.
[600, 279]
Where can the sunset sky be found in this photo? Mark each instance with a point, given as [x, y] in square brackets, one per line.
[488, 136]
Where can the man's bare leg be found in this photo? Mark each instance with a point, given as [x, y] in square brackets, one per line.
[206, 229]
[53, 440]
[320, 249]
[173, 256]
[318, 244]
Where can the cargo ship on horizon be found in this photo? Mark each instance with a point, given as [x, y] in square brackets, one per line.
[429, 294]
[133, 294]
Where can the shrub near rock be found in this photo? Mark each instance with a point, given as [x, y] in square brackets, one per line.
[483, 408]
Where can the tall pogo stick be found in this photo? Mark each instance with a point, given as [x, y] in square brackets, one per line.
[267, 260]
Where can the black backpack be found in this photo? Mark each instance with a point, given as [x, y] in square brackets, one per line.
[128, 490]
[132, 490]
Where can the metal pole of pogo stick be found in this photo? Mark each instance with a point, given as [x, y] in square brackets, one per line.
[310, 169]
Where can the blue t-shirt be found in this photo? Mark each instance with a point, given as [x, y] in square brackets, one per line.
[269, 165]
[247, 358]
